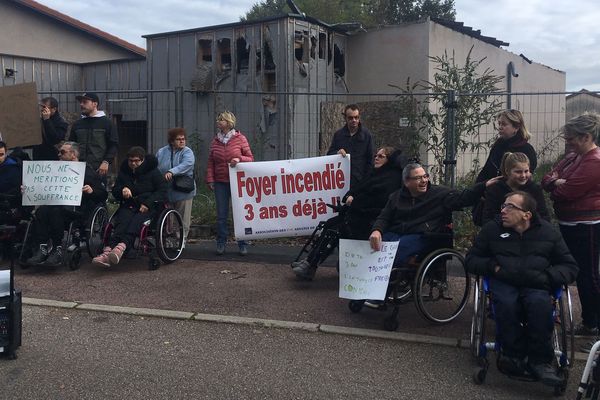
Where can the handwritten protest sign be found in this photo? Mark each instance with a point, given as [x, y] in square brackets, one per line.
[20, 115]
[53, 182]
[286, 197]
[364, 273]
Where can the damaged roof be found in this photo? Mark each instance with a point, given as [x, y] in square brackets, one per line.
[469, 31]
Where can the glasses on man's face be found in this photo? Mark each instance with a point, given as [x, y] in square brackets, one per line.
[382, 156]
[510, 207]
[423, 177]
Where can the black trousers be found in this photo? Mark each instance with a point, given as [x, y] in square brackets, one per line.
[50, 223]
[127, 225]
[582, 241]
[512, 305]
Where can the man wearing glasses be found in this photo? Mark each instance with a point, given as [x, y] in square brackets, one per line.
[525, 259]
[356, 140]
[419, 207]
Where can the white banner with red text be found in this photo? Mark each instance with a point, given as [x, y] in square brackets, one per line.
[286, 197]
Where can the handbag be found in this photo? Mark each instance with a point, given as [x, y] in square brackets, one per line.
[181, 182]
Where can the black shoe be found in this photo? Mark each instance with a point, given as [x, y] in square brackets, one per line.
[39, 256]
[545, 373]
[304, 270]
[55, 257]
[512, 366]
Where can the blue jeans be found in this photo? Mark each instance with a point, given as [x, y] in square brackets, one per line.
[222, 197]
[409, 245]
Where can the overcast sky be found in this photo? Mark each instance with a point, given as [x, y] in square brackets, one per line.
[560, 34]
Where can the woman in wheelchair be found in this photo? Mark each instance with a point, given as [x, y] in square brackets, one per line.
[525, 258]
[140, 188]
[50, 221]
[362, 204]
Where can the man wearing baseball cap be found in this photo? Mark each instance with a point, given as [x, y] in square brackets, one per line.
[97, 136]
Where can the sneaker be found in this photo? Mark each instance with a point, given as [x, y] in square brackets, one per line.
[220, 249]
[587, 347]
[545, 373]
[55, 257]
[39, 256]
[116, 253]
[584, 330]
[304, 270]
[243, 250]
[512, 366]
[374, 303]
[101, 260]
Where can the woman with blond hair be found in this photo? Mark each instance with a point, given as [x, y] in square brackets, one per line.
[228, 148]
[574, 186]
[513, 137]
[516, 175]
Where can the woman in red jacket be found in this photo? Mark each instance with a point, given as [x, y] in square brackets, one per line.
[574, 186]
[228, 148]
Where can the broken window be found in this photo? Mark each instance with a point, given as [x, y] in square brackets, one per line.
[204, 51]
[322, 45]
[329, 52]
[224, 54]
[313, 47]
[243, 55]
[339, 63]
[301, 46]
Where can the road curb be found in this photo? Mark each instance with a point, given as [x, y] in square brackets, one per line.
[146, 312]
[49, 303]
[266, 323]
[401, 336]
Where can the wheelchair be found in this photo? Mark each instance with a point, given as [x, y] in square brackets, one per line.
[81, 231]
[562, 341]
[161, 234]
[437, 282]
[589, 386]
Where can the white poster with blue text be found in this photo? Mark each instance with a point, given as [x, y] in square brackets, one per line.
[365, 273]
[286, 197]
[53, 183]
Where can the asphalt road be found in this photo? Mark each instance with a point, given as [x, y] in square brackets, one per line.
[75, 354]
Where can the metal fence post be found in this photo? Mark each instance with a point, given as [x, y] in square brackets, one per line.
[179, 106]
[450, 161]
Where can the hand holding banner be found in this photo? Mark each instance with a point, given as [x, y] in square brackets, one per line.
[53, 182]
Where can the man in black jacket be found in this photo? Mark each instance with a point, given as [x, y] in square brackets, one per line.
[356, 140]
[525, 258]
[54, 130]
[96, 134]
[50, 221]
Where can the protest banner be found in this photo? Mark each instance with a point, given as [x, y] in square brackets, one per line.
[286, 197]
[365, 273]
[20, 116]
[52, 182]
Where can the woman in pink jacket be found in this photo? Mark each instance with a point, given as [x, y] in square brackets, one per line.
[574, 186]
[228, 148]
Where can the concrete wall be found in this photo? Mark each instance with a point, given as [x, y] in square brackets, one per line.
[28, 34]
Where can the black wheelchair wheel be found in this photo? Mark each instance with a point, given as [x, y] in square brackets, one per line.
[442, 286]
[169, 235]
[478, 319]
[563, 339]
[94, 239]
[356, 305]
[73, 259]
[479, 375]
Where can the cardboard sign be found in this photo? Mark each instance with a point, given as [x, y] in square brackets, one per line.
[286, 197]
[20, 115]
[364, 273]
[53, 182]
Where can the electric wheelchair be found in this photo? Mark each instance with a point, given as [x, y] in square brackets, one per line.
[562, 337]
[81, 231]
[436, 280]
[160, 234]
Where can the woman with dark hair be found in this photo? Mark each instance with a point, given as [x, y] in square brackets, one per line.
[364, 202]
[175, 160]
[513, 137]
[515, 176]
[574, 186]
[141, 189]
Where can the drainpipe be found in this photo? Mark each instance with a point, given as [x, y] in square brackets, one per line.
[510, 72]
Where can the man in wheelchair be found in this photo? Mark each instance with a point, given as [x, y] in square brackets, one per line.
[525, 259]
[50, 221]
[140, 188]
